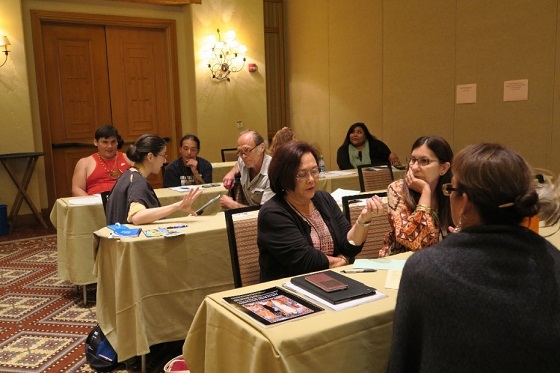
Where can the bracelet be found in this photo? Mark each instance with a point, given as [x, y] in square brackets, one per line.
[423, 208]
[346, 259]
[363, 225]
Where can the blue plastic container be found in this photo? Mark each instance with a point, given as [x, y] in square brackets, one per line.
[3, 220]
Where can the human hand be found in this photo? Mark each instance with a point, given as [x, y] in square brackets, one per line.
[229, 180]
[336, 261]
[374, 206]
[394, 159]
[192, 163]
[415, 183]
[186, 203]
[227, 202]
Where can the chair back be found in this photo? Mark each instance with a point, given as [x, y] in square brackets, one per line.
[376, 176]
[242, 239]
[351, 207]
[236, 192]
[229, 154]
[104, 199]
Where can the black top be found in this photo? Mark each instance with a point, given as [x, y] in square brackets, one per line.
[177, 168]
[483, 300]
[284, 238]
[378, 153]
[130, 187]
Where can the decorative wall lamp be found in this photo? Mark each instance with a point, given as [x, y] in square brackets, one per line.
[4, 42]
[225, 56]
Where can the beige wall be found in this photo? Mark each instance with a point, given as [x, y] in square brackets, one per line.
[208, 109]
[391, 64]
[395, 65]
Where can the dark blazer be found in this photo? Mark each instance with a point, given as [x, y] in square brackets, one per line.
[284, 240]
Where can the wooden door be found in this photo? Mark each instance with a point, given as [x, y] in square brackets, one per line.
[111, 71]
[78, 96]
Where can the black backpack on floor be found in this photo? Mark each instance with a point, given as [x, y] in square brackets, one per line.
[100, 355]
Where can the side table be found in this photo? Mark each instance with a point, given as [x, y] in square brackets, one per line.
[22, 185]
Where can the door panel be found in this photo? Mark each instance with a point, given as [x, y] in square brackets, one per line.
[102, 74]
[78, 96]
[139, 81]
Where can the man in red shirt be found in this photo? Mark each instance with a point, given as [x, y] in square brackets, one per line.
[98, 172]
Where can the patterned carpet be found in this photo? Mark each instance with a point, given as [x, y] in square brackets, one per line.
[43, 323]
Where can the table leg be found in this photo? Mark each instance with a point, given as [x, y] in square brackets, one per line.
[22, 193]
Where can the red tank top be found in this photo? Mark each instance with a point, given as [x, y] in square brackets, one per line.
[104, 176]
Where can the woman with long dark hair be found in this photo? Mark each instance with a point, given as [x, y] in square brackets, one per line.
[419, 213]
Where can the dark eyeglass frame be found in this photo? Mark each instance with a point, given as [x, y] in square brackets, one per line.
[422, 161]
[246, 152]
[162, 155]
[447, 189]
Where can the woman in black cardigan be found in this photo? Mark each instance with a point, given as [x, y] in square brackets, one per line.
[302, 229]
[361, 147]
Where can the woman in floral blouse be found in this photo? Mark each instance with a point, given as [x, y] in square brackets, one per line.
[419, 213]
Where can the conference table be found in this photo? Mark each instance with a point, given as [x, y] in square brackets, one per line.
[151, 288]
[356, 339]
[220, 169]
[76, 218]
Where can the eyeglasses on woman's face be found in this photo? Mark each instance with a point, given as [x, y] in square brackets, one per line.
[304, 175]
[162, 155]
[422, 161]
[447, 188]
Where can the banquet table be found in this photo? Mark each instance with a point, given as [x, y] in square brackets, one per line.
[356, 339]
[220, 169]
[76, 218]
[150, 288]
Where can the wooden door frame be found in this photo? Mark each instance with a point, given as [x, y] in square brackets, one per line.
[38, 17]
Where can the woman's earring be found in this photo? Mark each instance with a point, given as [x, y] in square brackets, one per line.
[458, 226]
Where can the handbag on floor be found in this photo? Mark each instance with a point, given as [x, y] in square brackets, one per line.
[100, 355]
[177, 365]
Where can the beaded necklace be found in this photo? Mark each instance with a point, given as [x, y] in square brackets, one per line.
[114, 172]
[325, 246]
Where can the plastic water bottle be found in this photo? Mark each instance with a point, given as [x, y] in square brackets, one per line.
[322, 167]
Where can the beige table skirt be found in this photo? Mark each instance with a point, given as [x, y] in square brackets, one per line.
[357, 339]
[75, 224]
[149, 289]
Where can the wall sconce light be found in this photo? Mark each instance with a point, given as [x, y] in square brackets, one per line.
[4, 42]
[225, 56]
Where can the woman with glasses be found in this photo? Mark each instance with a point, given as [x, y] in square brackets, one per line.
[361, 147]
[132, 199]
[302, 229]
[487, 298]
[419, 213]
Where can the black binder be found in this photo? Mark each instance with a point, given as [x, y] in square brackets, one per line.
[355, 290]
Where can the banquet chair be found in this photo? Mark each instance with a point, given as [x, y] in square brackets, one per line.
[542, 174]
[104, 199]
[242, 239]
[229, 154]
[376, 176]
[351, 207]
[236, 192]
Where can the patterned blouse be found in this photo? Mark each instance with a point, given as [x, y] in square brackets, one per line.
[411, 230]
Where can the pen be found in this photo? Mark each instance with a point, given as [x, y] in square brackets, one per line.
[177, 226]
[359, 270]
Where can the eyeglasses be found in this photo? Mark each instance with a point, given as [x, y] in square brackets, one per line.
[423, 161]
[304, 175]
[162, 155]
[242, 152]
[446, 189]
